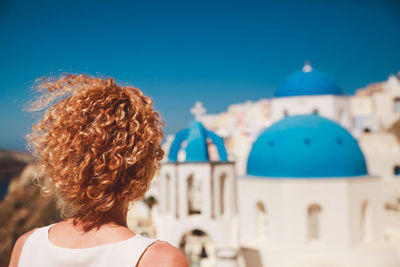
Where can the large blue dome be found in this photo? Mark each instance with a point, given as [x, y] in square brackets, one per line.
[306, 146]
[310, 82]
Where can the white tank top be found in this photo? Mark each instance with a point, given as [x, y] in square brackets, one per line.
[39, 251]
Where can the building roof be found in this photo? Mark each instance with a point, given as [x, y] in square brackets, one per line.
[194, 141]
[308, 82]
[306, 146]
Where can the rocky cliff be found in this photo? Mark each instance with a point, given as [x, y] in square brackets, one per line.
[22, 207]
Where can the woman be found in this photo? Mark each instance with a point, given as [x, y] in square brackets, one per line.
[99, 145]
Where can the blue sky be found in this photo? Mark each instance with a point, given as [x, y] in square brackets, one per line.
[178, 52]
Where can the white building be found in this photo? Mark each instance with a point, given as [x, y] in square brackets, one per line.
[307, 198]
[197, 193]
[287, 184]
[311, 91]
[372, 109]
[376, 107]
[315, 207]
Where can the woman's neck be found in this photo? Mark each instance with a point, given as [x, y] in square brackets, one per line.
[116, 217]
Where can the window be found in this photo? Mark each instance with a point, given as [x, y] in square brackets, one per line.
[182, 152]
[222, 180]
[262, 220]
[367, 130]
[366, 222]
[396, 170]
[194, 195]
[285, 113]
[315, 111]
[314, 217]
[212, 150]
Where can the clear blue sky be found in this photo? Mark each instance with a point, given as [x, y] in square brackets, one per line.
[219, 52]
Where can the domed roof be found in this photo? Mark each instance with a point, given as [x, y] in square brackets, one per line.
[306, 146]
[195, 141]
[308, 82]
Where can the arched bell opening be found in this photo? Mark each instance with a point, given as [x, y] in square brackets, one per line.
[198, 248]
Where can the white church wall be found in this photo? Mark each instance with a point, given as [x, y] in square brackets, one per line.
[342, 113]
[378, 256]
[287, 202]
[324, 105]
[251, 191]
[299, 195]
[221, 227]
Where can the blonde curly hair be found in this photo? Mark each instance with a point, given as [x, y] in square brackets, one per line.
[98, 144]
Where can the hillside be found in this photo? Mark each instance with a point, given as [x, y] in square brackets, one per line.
[22, 208]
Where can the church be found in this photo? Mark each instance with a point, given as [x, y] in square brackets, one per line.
[289, 186]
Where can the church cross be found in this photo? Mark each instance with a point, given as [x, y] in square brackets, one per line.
[198, 110]
[307, 66]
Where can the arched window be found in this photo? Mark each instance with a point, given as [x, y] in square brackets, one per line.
[193, 195]
[396, 170]
[366, 222]
[198, 247]
[285, 113]
[262, 220]
[212, 150]
[222, 205]
[342, 116]
[182, 152]
[313, 222]
[315, 111]
[366, 130]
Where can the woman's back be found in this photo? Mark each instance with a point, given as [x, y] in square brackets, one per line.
[63, 245]
[40, 250]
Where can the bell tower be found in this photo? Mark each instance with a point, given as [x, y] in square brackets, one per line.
[198, 199]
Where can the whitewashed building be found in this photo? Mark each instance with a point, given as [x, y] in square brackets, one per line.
[283, 182]
[315, 207]
[311, 91]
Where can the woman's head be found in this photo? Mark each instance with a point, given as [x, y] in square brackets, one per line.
[98, 143]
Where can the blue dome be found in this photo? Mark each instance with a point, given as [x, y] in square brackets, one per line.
[306, 146]
[196, 148]
[311, 82]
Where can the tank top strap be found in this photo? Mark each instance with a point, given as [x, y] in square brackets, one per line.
[137, 246]
[33, 244]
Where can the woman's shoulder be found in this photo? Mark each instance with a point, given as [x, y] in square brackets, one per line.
[161, 253]
[19, 244]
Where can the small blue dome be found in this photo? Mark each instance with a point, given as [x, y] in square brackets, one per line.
[306, 146]
[195, 137]
[312, 82]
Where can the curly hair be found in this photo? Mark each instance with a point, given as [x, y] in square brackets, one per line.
[97, 142]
